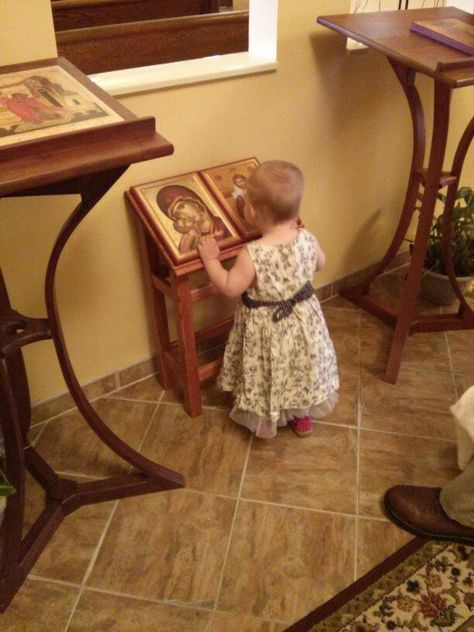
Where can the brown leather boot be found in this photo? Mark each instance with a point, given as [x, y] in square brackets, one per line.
[418, 510]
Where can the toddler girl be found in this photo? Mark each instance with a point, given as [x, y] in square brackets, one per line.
[279, 362]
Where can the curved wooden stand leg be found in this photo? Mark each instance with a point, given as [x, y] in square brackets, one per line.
[406, 314]
[406, 77]
[465, 311]
[15, 331]
[18, 553]
[91, 192]
[405, 320]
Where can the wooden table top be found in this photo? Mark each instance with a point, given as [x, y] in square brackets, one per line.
[44, 155]
[81, 155]
[389, 32]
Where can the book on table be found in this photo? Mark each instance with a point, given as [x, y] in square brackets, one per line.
[451, 32]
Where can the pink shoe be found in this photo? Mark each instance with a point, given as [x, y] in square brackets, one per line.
[302, 426]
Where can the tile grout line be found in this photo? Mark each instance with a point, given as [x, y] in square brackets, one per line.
[91, 565]
[95, 555]
[451, 365]
[52, 580]
[412, 436]
[258, 501]
[229, 541]
[37, 438]
[105, 395]
[359, 424]
[167, 602]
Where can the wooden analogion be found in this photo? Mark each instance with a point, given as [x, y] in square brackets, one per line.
[59, 134]
[409, 53]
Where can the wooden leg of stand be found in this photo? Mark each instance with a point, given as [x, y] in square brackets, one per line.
[359, 294]
[18, 553]
[407, 315]
[163, 339]
[151, 266]
[187, 346]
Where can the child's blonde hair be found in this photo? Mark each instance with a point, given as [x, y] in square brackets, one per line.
[275, 189]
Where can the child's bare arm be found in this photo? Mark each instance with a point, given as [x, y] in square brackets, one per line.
[320, 256]
[230, 282]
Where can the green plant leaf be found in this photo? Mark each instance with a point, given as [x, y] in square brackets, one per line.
[6, 490]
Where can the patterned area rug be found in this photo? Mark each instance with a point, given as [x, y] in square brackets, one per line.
[424, 586]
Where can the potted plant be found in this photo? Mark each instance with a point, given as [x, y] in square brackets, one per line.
[435, 285]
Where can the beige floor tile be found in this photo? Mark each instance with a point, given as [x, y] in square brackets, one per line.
[344, 328]
[349, 387]
[34, 432]
[51, 408]
[231, 623]
[168, 545]
[68, 444]
[375, 341]
[98, 612]
[137, 371]
[147, 390]
[39, 606]
[60, 404]
[282, 561]
[318, 471]
[463, 382]
[387, 460]
[418, 404]
[210, 395]
[70, 550]
[315, 561]
[209, 450]
[423, 351]
[338, 302]
[324, 292]
[461, 344]
[389, 288]
[377, 540]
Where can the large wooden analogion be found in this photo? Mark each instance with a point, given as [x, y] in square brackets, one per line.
[60, 135]
[410, 53]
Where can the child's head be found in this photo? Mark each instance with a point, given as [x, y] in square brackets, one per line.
[275, 189]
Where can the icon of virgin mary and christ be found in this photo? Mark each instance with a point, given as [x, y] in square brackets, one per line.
[191, 217]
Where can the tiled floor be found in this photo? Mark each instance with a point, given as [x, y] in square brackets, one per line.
[265, 530]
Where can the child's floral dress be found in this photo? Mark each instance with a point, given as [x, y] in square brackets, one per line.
[278, 369]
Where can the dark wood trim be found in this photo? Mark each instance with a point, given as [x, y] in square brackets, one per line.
[76, 14]
[319, 614]
[149, 42]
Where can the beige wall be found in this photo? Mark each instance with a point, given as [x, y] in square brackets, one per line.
[340, 116]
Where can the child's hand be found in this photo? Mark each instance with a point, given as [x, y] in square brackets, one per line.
[208, 248]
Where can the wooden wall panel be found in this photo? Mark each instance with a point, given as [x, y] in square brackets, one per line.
[116, 47]
[74, 14]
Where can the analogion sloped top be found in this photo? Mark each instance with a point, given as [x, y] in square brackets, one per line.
[389, 32]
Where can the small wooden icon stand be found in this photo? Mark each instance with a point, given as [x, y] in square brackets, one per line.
[85, 162]
[170, 261]
[178, 359]
[409, 53]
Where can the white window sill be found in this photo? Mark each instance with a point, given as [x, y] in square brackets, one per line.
[133, 80]
[261, 57]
